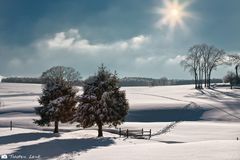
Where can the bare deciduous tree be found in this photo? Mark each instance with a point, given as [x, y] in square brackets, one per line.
[190, 63]
[234, 59]
[216, 58]
[201, 61]
[229, 78]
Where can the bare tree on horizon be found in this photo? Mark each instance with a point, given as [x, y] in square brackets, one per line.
[201, 61]
[234, 59]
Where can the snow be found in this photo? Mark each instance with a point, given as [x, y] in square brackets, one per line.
[58, 101]
[83, 144]
[1, 77]
[220, 104]
[208, 128]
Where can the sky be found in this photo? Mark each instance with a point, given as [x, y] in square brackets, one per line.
[142, 38]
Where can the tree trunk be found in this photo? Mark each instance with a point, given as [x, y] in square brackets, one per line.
[236, 68]
[202, 79]
[56, 127]
[209, 83]
[195, 83]
[237, 77]
[209, 78]
[100, 133]
[199, 78]
[195, 80]
[205, 78]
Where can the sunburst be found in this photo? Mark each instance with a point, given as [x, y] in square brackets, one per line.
[173, 14]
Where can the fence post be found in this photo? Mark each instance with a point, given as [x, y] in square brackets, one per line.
[150, 134]
[120, 132]
[10, 125]
[127, 133]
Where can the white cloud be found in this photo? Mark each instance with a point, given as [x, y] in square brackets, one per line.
[150, 59]
[176, 60]
[60, 40]
[72, 41]
[136, 42]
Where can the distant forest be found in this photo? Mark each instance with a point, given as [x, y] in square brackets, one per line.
[126, 81]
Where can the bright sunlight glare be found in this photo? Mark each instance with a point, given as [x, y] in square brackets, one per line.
[173, 14]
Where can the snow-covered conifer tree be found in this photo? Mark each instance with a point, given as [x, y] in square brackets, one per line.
[58, 97]
[102, 102]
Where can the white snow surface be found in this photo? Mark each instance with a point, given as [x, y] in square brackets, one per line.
[210, 131]
[1, 77]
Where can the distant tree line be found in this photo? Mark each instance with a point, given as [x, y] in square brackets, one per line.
[139, 81]
[34, 80]
[126, 81]
[22, 80]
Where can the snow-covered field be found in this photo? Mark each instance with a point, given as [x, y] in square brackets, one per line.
[186, 124]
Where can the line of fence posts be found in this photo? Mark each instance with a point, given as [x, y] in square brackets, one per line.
[129, 131]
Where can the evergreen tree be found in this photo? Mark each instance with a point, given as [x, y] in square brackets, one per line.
[58, 99]
[102, 102]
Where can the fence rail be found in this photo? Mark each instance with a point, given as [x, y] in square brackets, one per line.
[140, 133]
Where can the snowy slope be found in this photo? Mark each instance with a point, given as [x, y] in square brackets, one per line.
[220, 104]
[147, 104]
[208, 128]
[83, 145]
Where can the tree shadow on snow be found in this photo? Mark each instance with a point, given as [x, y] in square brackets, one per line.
[219, 96]
[206, 94]
[19, 95]
[230, 94]
[24, 137]
[58, 147]
[165, 115]
[171, 142]
[213, 94]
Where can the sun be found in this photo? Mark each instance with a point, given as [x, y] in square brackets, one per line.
[173, 14]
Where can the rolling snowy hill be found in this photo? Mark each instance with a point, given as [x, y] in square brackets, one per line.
[202, 125]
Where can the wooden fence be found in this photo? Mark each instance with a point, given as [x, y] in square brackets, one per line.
[141, 133]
